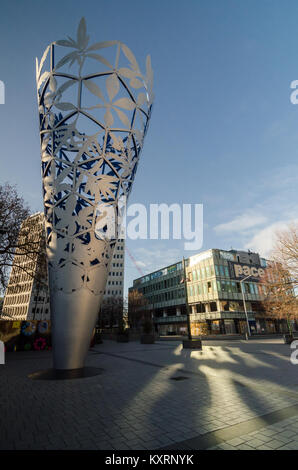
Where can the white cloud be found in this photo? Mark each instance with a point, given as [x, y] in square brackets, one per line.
[140, 264]
[262, 242]
[272, 201]
[241, 223]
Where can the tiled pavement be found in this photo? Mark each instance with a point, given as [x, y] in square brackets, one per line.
[280, 436]
[237, 388]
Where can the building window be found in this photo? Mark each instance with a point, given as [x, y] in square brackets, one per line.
[200, 308]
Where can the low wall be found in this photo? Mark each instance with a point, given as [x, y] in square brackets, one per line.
[26, 335]
[226, 337]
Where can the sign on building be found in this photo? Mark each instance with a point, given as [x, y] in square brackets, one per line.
[241, 270]
[227, 255]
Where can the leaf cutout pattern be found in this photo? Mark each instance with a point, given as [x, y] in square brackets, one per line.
[101, 45]
[125, 103]
[82, 38]
[100, 58]
[94, 89]
[82, 172]
[108, 117]
[130, 57]
[112, 84]
[136, 83]
[65, 106]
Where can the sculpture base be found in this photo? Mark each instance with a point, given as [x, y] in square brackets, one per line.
[65, 374]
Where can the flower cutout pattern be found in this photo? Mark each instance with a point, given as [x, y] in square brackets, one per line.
[94, 108]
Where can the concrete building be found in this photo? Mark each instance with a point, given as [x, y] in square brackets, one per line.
[215, 297]
[115, 282]
[28, 299]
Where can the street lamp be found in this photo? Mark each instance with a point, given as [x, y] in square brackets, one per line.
[186, 301]
[244, 303]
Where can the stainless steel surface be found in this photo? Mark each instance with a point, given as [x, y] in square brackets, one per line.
[94, 109]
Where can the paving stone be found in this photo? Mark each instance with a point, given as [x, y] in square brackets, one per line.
[275, 444]
[287, 434]
[263, 438]
[255, 442]
[264, 447]
[244, 447]
[293, 445]
[226, 446]
[269, 432]
[236, 442]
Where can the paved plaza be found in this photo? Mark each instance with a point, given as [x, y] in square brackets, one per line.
[231, 395]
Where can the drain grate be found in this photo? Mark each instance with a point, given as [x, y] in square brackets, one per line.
[179, 377]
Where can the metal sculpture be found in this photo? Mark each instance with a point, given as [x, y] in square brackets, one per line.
[92, 126]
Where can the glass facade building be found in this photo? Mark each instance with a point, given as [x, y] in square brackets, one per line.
[215, 298]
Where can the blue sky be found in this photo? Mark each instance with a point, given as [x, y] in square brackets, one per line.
[223, 131]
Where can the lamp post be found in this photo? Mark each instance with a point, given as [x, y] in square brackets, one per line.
[244, 303]
[186, 301]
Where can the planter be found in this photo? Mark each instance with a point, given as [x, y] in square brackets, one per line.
[192, 344]
[147, 339]
[122, 338]
[288, 338]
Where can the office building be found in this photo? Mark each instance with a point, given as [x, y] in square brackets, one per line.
[27, 297]
[215, 279]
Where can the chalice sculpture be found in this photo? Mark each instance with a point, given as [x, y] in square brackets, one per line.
[94, 109]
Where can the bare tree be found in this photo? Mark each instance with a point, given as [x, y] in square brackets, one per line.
[285, 251]
[111, 312]
[138, 314]
[13, 244]
[280, 301]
